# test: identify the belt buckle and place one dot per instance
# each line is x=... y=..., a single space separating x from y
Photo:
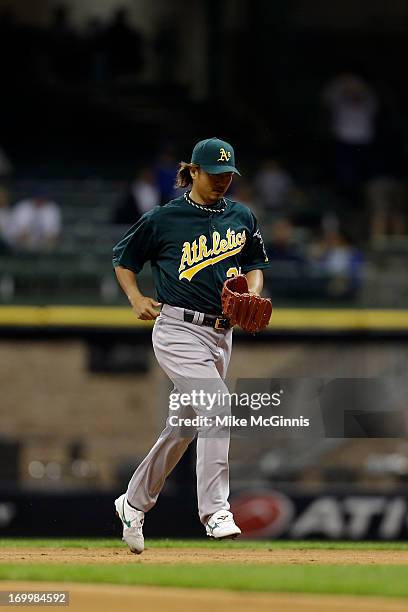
x=219 y=323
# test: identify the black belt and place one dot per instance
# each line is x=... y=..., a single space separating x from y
x=199 y=318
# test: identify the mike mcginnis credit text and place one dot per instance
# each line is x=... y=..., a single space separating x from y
x=233 y=421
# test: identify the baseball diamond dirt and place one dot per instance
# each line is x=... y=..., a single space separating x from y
x=97 y=598
x=196 y=555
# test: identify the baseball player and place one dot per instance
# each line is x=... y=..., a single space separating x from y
x=194 y=244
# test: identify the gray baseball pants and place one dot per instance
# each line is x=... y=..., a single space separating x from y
x=194 y=357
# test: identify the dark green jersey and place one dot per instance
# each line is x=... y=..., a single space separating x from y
x=193 y=249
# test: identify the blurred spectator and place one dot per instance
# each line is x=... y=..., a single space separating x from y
x=67 y=47
x=96 y=51
x=384 y=190
x=124 y=45
x=166 y=168
x=5 y=220
x=60 y=24
x=273 y=187
x=353 y=109
x=36 y=222
x=5 y=165
x=167 y=49
x=10 y=47
x=333 y=256
x=286 y=275
x=283 y=245
x=386 y=208
x=141 y=196
x=241 y=191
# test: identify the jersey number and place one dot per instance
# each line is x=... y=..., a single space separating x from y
x=233 y=272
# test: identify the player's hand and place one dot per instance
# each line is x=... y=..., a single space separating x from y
x=144 y=308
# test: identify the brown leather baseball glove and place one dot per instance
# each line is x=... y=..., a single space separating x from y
x=251 y=312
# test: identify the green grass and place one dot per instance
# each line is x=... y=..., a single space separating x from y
x=375 y=580
x=381 y=580
x=239 y=544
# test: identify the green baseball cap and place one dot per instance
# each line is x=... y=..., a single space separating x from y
x=214 y=156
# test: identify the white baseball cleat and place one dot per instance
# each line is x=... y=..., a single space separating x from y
x=221 y=525
x=132 y=521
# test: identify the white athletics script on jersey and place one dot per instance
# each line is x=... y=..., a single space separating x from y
x=196 y=255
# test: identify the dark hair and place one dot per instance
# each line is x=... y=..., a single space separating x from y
x=183 y=177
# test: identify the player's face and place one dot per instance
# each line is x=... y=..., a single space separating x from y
x=211 y=187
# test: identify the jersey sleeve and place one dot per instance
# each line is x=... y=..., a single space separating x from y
x=138 y=245
x=254 y=256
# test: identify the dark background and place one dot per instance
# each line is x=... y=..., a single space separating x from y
x=249 y=71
